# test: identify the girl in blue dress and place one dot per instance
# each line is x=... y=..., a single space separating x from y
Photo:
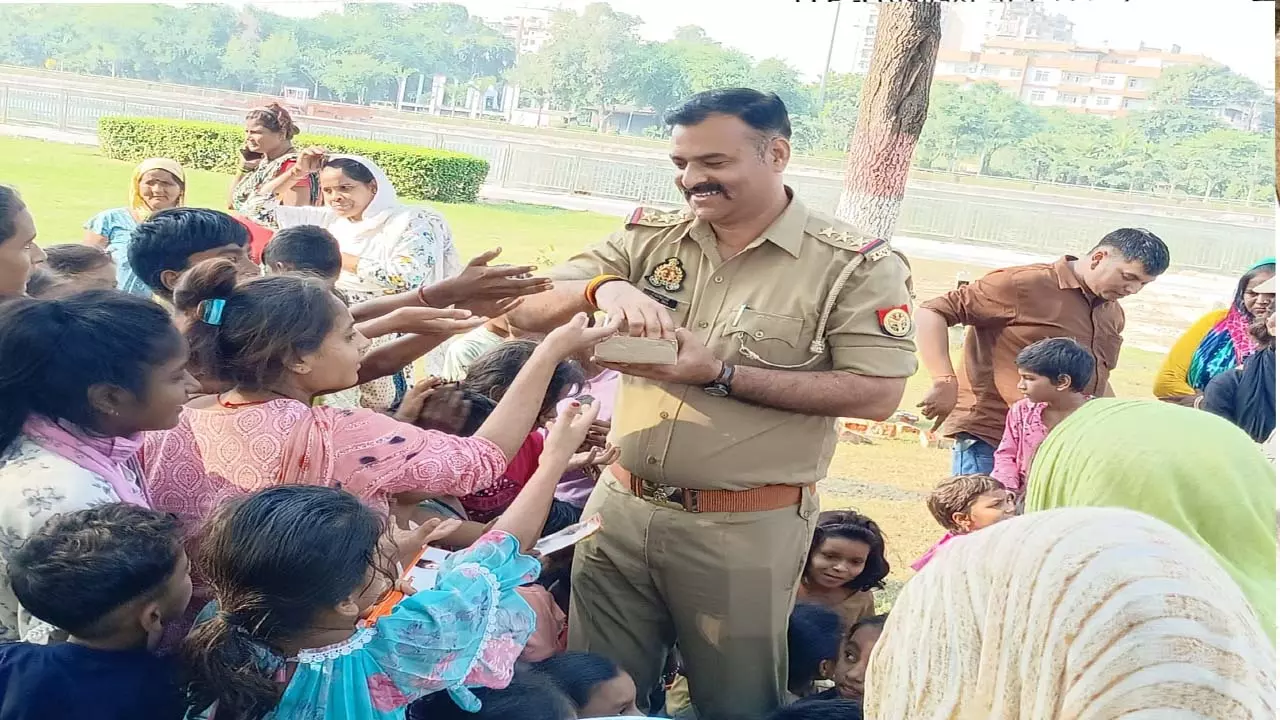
x=295 y=569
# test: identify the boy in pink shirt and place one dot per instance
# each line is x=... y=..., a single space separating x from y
x=1052 y=375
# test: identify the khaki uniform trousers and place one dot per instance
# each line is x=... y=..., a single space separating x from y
x=722 y=585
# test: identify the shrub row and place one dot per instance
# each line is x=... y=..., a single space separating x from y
x=418 y=173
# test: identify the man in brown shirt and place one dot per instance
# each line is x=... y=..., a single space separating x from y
x=1013 y=308
x=784 y=318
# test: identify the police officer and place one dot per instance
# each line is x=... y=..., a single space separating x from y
x=785 y=318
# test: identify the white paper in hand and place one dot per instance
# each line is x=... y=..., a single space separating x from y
x=423 y=574
x=568 y=537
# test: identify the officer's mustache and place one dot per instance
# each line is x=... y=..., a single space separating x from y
x=706 y=188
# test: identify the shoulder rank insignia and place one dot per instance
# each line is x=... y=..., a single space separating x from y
x=649 y=217
x=895 y=321
x=668 y=275
x=877 y=249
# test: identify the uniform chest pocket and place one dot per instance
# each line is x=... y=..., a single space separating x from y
x=769 y=338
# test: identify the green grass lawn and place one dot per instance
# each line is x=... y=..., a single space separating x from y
x=65 y=185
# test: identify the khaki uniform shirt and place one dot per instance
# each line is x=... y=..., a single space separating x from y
x=759 y=308
x=1008 y=310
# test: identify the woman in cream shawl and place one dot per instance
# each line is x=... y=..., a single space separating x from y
x=1191 y=469
x=157 y=184
x=1075 y=614
x=387 y=247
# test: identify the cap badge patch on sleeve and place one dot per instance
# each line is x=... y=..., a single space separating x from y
x=895 y=321
x=668 y=275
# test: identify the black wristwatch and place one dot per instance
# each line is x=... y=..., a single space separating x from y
x=723 y=384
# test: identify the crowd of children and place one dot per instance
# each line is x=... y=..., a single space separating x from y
x=198 y=519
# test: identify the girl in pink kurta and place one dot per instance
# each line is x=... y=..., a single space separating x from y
x=1052 y=375
x=218 y=452
x=280 y=341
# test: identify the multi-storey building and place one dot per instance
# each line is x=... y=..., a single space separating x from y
x=861 y=33
x=528 y=28
x=1106 y=81
x=1027 y=21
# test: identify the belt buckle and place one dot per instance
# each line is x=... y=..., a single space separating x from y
x=663 y=495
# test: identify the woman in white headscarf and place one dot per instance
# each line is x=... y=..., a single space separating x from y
x=387 y=247
x=1080 y=613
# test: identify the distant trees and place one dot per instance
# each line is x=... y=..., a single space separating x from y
x=364 y=54
x=596 y=61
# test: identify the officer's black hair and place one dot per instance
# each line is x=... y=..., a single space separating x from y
x=305 y=248
x=765 y=112
x=170 y=237
x=1056 y=358
x=1141 y=245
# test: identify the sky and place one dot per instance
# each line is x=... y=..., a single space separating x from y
x=1238 y=33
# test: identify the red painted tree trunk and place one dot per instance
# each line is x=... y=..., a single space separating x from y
x=895 y=102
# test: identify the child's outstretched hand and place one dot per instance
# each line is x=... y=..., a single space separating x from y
x=567 y=432
x=413 y=401
x=594 y=457
x=446 y=409
x=414 y=540
x=576 y=335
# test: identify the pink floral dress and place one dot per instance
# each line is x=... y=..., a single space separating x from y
x=213 y=455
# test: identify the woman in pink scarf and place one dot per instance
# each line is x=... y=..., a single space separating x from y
x=280 y=341
x=80 y=379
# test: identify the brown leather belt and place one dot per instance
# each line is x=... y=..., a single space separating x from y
x=761 y=499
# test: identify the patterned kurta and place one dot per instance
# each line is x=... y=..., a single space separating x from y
x=35 y=485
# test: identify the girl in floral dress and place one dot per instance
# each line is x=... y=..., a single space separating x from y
x=81 y=378
x=296 y=569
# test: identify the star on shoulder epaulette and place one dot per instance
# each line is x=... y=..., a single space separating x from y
x=873 y=250
x=652 y=217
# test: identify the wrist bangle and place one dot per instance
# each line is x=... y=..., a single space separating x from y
x=945 y=378
x=422 y=296
x=594 y=286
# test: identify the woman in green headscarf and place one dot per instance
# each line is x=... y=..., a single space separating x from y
x=1191 y=469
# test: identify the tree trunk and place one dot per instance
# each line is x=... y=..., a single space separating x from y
x=891 y=113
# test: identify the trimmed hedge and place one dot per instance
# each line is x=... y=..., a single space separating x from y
x=418 y=173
